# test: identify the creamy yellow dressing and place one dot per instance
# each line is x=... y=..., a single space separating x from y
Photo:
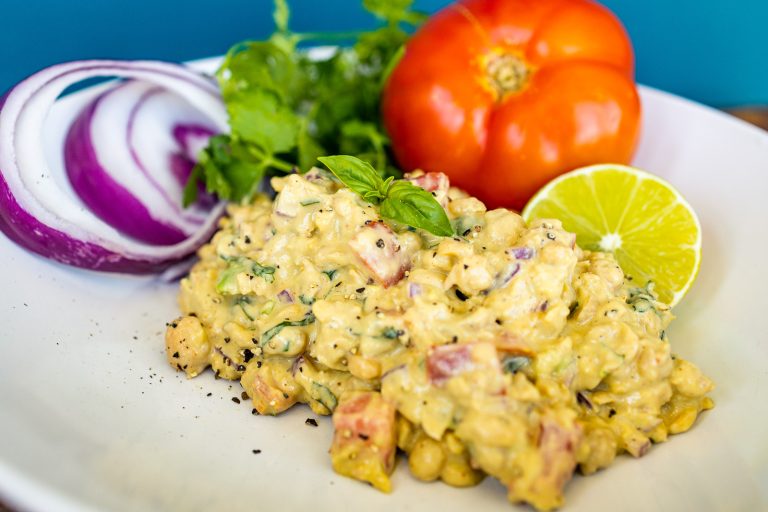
x=505 y=350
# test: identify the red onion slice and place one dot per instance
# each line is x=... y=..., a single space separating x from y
x=41 y=214
x=118 y=154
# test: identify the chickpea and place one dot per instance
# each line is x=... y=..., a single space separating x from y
x=186 y=345
x=426 y=460
x=458 y=473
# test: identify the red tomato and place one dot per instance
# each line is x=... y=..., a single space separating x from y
x=504 y=95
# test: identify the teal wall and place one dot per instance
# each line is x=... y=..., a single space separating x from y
x=713 y=52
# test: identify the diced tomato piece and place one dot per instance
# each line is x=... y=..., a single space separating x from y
x=557 y=451
x=446 y=361
x=377 y=246
x=364 y=443
x=435 y=182
x=268 y=399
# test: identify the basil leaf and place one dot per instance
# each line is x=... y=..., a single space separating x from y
x=358 y=175
x=412 y=205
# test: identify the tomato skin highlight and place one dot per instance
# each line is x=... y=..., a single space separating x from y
x=504 y=95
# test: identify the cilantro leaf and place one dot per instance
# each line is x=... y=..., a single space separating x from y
x=286 y=110
x=389 y=10
x=281 y=14
x=261 y=118
x=227 y=170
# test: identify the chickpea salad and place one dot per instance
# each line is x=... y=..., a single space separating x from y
x=503 y=350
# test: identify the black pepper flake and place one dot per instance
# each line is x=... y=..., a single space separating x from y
x=176 y=355
x=498 y=321
x=256 y=452
x=209 y=394
x=551 y=236
x=244 y=395
x=360 y=290
x=380 y=243
x=235 y=399
x=466 y=266
x=466 y=232
x=227 y=339
x=247 y=355
x=285 y=395
x=460 y=295
x=241 y=367
x=455 y=339
x=258 y=364
x=338 y=284
x=247 y=239
x=312 y=422
x=364 y=437
x=254 y=412
x=612 y=413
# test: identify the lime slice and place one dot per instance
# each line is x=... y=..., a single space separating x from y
x=640 y=218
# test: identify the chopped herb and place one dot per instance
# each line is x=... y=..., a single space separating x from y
x=324 y=395
x=643 y=299
x=391 y=333
x=307 y=301
x=274 y=331
x=513 y=364
x=309 y=202
x=331 y=273
x=227 y=283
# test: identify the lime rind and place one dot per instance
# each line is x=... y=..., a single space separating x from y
x=648 y=225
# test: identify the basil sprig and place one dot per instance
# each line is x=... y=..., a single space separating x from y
x=400 y=200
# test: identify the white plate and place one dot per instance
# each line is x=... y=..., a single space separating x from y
x=92 y=417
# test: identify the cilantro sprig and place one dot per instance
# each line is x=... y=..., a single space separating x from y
x=286 y=109
x=398 y=200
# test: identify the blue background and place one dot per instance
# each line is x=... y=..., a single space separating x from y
x=713 y=52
